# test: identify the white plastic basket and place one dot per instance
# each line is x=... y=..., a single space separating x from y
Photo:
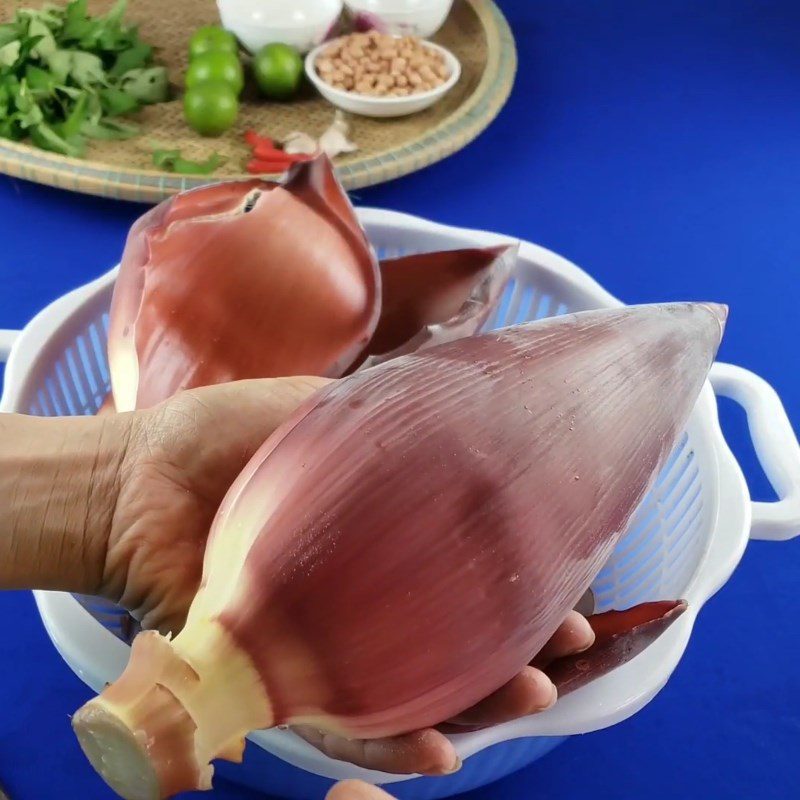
x=685 y=541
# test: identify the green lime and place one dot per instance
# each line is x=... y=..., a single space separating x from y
x=279 y=70
x=212 y=39
x=211 y=108
x=216 y=67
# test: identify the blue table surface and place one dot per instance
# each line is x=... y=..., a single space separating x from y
x=657 y=145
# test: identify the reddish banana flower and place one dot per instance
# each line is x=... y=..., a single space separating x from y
x=252 y=279
x=478 y=485
x=432 y=298
x=241 y=280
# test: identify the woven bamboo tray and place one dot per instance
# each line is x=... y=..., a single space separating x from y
x=476 y=32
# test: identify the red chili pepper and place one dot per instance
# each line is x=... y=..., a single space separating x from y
x=272 y=154
x=259 y=167
x=254 y=140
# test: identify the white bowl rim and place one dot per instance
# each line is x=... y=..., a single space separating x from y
x=237 y=18
x=343 y=94
x=360 y=5
x=256 y=26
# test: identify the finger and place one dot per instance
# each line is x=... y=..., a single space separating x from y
x=272 y=399
x=528 y=693
x=426 y=752
x=574 y=635
x=356 y=790
x=249 y=412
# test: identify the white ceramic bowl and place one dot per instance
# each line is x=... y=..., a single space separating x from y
x=368 y=106
x=300 y=23
x=404 y=17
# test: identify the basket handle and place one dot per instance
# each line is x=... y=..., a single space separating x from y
x=775 y=444
x=7 y=339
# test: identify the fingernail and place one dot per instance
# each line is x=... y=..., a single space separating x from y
x=455 y=767
x=584 y=629
x=541 y=704
x=457 y=764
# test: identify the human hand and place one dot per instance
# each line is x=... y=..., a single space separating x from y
x=356 y=790
x=429 y=751
x=181 y=458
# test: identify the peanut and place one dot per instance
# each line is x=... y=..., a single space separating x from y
x=378 y=65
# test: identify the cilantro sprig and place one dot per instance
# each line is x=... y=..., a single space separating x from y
x=67 y=77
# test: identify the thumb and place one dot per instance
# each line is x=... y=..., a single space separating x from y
x=241 y=415
x=356 y=790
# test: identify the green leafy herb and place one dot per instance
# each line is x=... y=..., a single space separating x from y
x=71 y=126
x=8 y=33
x=45 y=137
x=116 y=102
x=173 y=161
x=146 y=85
x=46 y=43
x=86 y=69
x=67 y=76
x=41 y=82
x=9 y=53
x=135 y=57
x=109 y=129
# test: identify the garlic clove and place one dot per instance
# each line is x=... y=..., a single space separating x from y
x=299 y=143
x=335 y=140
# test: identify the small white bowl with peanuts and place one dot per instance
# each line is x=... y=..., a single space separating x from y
x=379 y=75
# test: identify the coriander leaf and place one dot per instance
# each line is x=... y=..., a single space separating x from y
x=172 y=161
x=70 y=91
x=10 y=87
x=116 y=102
x=9 y=129
x=72 y=124
x=146 y=85
x=109 y=129
x=59 y=64
x=76 y=31
x=86 y=68
x=8 y=33
x=162 y=158
x=6 y=103
x=76 y=10
x=110 y=35
x=27 y=47
x=9 y=53
x=45 y=137
x=29 y=118
x=46 y=45
x=28 y=113
x=76 y=21
x=134 y=57
x=66 y=75
x=117 y=12
x=49 y=15
x=40 y=81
